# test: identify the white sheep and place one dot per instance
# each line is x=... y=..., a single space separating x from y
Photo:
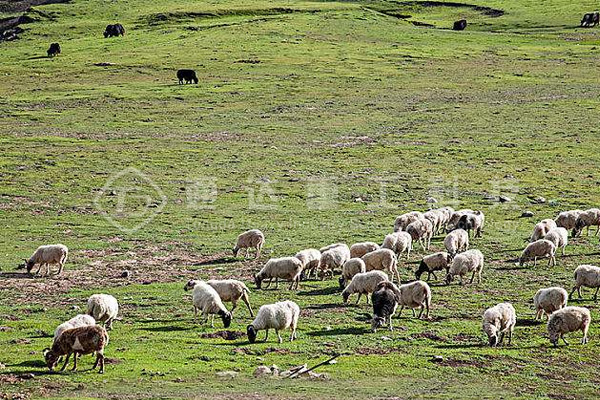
x=75 y=322
x=364 y=283
x=472 y=222
x=48 y=255
x=421 y=230
x=586 y=276
x=539 y=248
x=455 y=216
x=288 y=268
x=456 y=241
x=250 y=239
x=350 y=268
x=499 y=320
x=399 y=242
x=358 y=250
x=406 y=219
x=413 y=295
x=464 y=263
x=569 y=319
x=104 y=308
x=310 y=259
x=383 y=260
x=560 y=238
x=541 y=229
x=567 y=219
x=446 y=214
x=206 y=299
x=331 y=246
x=548 y=300
x=278 y=316
x=333 y=258
x=587 y=219
x=231 y=290
x=434 y=262
x=435 y=217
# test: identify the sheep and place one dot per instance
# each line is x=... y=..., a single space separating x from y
x=568 y=319
x=358 y=250
x=499 y=320
x=288 y=268
x=249 y=239
x=385 y=303
x=46 y=255
x=331 y=246
x=383 y=260
x=75 y=322
x=455 y=217
x=413 y=295
x=350 y=268
x=206 y=299
x=231 y=290
x=104 y=308
x=406 y=219
x=567 y=219
x=310 y=259
x=446 y=214
x=463 y=263
x=549 y=300
x=456 y=241
x=333 y=258
x=587 y=219
x=541 y=229
x=435 y=217
x=587 y=276
x=434 y=262
x=421 y=230
x=559 y=237
x=472 y=222
x=364 y=283
x=82 y=340
x=539 y=248
x=278 y=316
x=398 y=242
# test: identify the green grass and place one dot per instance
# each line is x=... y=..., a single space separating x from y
x=347 y=116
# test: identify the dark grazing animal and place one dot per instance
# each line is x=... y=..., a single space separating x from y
x=385 y=301
x=83 y=340
x=114 y=30
x=53 y=50
x=187 y=75
x=590 y=19
x=469 y=222
x=460 y=25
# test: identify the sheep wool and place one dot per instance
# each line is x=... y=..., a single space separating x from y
x=104 y=308
x=471 y=261
x=252 y=238
x=206 y=299
x=499 y=320
x=538 y=249
x=434 y=262
x=413 y=295
x=350 y=268
x=548 y=300
x=385 y=303
x=559 y=237
x=399 y=242
x=231 y=290
x=456 y=241
x=586 y=276
x=75 y=322
x=364 y=283
x=568 y=319
x=278 y=316
x=47 y=255
x=383 y=260
x=360 y=249
x=288 y=268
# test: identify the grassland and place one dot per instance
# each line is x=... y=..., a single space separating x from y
x=340 y=116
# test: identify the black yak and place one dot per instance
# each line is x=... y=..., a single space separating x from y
x=114 y=30
x=53 y=50
x=460 y=25
x=187 y=75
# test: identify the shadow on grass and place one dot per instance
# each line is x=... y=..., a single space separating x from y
x=341 y=331
x=167 y=329
x=320 y=292
x=214 y=261
x=460 y=346
x=39 y=58
x=328 y=306
x=16 y=275
x=529 y=322
x=30 y=364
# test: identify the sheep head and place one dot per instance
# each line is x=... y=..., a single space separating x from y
x=251 y=332
x=51 y=358
x=226 y=318
x=376 y=323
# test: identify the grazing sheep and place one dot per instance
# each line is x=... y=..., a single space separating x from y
x=385 y=302
x=75 y=322
x=364 y=283
x=231 y=290
x=421 y=230
x=537 y=249
x=310 y=259
x=413 y=295
x=435 y=217
x=187 y=76
x=383 y=260
x=463 y=263
x=331 y=246
x=350 y=268
x=278 y=316
x=250 y=239
x=549 y=300
x=568 y=319
x=333 y=258
x=46 y=255
x=82 y=340
x=586 y=276
x=541 y=229
x=446 y=213
x=587 y=219
x=567 y=219
x=559 y=237
x=288 y=268
x=472 y=222
x=358 y=250
x=590 y=20
x=404 y=220
x=207 y=300
x=53 y=50
x=104 y=308
x=455 y=217
x=434 y=262
x=456 y=241
x=499 y=320
x=398 y=242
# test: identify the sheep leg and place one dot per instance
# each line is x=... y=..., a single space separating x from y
x=279 y=336
x=563 y=250
x=596 y=294
x=400 y=312
x=74 y=362
x=472 y=277
x=266 y=334
x=247 y=252
x=257 y=253
x=109 y=324
x=245 y=299
x=100 y=356
x=276 y=283
x=66 y=362
x=501 y=338
x=268 y=283
x=195 y=313
x=61 y=265
x=585 y=332
x=534 y=261
x=428 y=276
x=413 y=312
x=421 y=312
x=357 y=300
x=212 y=321
x=39 y=269
x=408 y=253
x=234 y=303
x=432 y=273
x=391 y=326
x=367 y=296
x=510 y=332
x=563 y=339
x=579 y=291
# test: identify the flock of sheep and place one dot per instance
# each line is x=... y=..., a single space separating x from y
x=366 y=269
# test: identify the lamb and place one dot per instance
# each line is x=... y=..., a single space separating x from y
x=539 y=248
x=542 y=228
x=82 y=340
x=278 y=316
x=404 y=220
x=586 y=276
x=463 y=263
x=350 y=268
x=206 y=299
x=434 y=262
x=231 y=290
x=75 y=322
x=104 y=308
x=46 y=255
x=385 y=303
x=472 y=222
x=567 y=219
x=413 y=295
x=288 y=268
x=398 y=242
x=549 y=300
x=587 y=219
x=364 y=283
x=456 y=241
x=333 y=258
x=310 y=259
x=421 y=230
x=250 y=239
x=499 y=320
x=383 y=260
x=559 y=237
x=568 y=319
x=358 y=250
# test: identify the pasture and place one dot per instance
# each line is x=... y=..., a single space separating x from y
x=316 y=122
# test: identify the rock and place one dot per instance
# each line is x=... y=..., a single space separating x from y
x=75 y=308
x=386 y=338
x=262 y=371
x=553 y=203
x=538 y=200
x=316 y=376
x=431 y=200
x=228 y=374
x=125 y=274
x=2 y=366
x=437 y=359
x=504 y=199
x=274 y=370
x=527 y=214
x=27 y=376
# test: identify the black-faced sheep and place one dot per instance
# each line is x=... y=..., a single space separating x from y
x=434 y=262
x=187 y=76
x=385 y=302
x=53 y=50
x=114 y=30
x=278 y=316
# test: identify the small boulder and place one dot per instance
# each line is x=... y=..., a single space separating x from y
x=431 y=200
x=527 y=214
x=227 y=374
x=262 y=371
x=504 y=199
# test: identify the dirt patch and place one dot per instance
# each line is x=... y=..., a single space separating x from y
x=452 y=362
x=257 y=352
x=429 y=335
x=227 y=335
